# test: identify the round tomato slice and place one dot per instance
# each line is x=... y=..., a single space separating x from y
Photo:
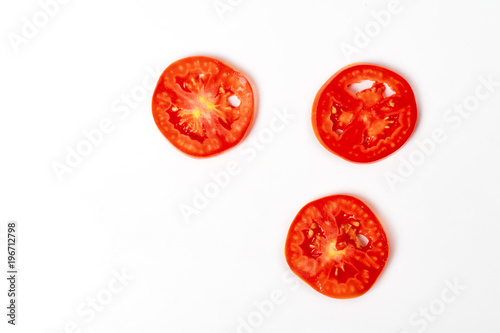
x=337 y=246
x=203 y=106
x=367 y=125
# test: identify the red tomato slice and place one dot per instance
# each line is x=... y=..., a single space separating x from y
x=368 y=125
x=337 y=246
x=203 y=106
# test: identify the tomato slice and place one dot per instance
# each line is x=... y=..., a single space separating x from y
x=203 y=106
x=367 y=125
x=337 y=246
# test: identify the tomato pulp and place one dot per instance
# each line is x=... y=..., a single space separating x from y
x=203 y=106
x=337 y=246
x=367 y=125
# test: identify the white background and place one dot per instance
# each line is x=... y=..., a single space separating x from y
x=119 y=209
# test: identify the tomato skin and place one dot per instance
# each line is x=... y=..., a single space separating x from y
x=323 y=247
x=192 y=106
x=364 y=127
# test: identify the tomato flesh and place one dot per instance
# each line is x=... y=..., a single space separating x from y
x=193 y=106
x=367 y=125
x=337 y=246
